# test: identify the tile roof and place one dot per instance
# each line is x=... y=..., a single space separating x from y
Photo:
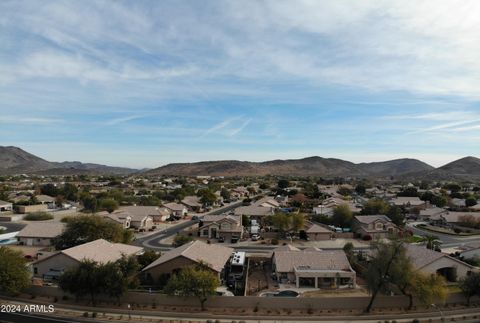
x=315 y=228
x=288 y=261
x=367 y=219
x=214 y=255
x=254 y=210
x=101 y=251
x=421 y=256
x=42 y=230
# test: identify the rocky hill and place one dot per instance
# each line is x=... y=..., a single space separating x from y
x=311 y=166
x=14 y=160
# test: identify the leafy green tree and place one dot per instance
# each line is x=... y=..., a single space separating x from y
x=342 y=216
x=49 y=189
x=108 y=205
x=440 y=201
x=69 y=191
x=147 y=258
x=383 y=268
x=86 y=228
x=14 y=274
x=360 y=189
x=90 y=203
x=344 y=191
x=91 y=278
x=409 y=191
x=283 y=184
x=246 y=220
x=375 y=206
x=193 y=282
x=207 y=197
x=412 y=283
x=181 y=239
x=281 y=221
x=396 y=214
x=225 y=193
x=470 y=286
x=471 y=201
x=83 y=280
x=297 y=221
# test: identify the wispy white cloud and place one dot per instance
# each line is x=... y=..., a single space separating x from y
x=235 y=131
x=30 y=120
x=115 y=121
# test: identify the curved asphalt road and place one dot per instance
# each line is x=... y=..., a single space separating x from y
x=447 y=239
x=154 y=241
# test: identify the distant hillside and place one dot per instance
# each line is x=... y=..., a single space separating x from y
x=14 y=160
x=311 y=166
x=397 y=167
x=467 y=168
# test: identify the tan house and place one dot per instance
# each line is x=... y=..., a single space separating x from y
x=192 y=253
x=221 y=226
x=100 y=251
x=313 y=268
x=176 y=209
x=375 y=226
x=137 y=217
x=316 y=232
x=434 y=262
x=192 y=203
x=40 y=233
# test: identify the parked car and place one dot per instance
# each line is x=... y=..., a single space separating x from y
x=255 y=237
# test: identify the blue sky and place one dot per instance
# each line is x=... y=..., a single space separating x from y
x=145 y=83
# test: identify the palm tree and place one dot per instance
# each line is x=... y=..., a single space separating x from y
x=431 y=241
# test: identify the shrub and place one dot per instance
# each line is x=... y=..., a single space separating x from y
x=85 y=314
x=38 y=216
x=367 y=237
x=274 y=242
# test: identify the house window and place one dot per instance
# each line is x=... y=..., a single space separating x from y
x=35 y=270
x=205 y=232
x=379 y=226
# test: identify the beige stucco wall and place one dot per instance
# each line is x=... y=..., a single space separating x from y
x=43 y=242
x=319 y=236
x=58 y=261
x=31 y=208
x=447 y=262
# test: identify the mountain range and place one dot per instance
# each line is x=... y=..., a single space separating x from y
x=467 y=168
x=14 y=160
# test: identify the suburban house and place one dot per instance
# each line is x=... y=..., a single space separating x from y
x=316 y=232
x=433 y=212
x=192 y=203
x=451 y=218
x=375 y=226
x=239 y=192
x=434 y=262
x=408 y=202
x=40 y=233
x=121 y=218
x=176 y=209
x=190 y=254
x=227 y=227
x=267 y=202
x=101 y=251
x=6 y=206
x=333 y=202
x=139 y=217
x=312 y=268
x=254 y=211
x=45 y=199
